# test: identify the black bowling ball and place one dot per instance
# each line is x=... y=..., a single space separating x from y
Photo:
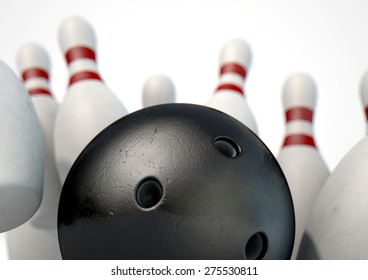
x=176 y=181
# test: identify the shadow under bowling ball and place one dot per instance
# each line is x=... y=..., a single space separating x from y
x=307 y=249
x=176 y=181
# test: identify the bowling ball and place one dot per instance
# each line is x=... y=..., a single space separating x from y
x=176 y=181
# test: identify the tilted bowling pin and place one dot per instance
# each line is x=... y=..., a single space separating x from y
x=21 y=150
x=229 y=97
x=88 y=106
x=37 y=238
x=338 y=227
x=158 y=89
x=301 y=162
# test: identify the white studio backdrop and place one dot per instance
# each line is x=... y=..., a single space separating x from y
x=182 y=39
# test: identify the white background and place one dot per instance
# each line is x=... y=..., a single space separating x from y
x=182 y=39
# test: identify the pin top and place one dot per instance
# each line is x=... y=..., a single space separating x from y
x=75 y=32
x=158 y=89
x=299 y=91
x=34 y=65
x=33 y=61
x=236 y=51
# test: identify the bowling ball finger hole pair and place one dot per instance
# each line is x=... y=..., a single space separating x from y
x=256 y=247
x=227 y=146
x=148 y=193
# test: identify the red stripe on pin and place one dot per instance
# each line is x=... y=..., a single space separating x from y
x=233 y=68
x=85 y=75
x=34 y=73
x=299 y=113
x=366 y=112
x=36 y=91
x=79 y=53
x=299 y=139
x=230 y=87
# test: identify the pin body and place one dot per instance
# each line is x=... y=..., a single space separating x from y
x=338 y=228
x=21 y=150
x=158 y=89
x=37 y=238
x=301 y=162
x=88 y=106
x=229 y=97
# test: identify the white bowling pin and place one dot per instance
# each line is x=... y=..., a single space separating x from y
x=37 y=238
x=158 y=89
x=338 y=227
x=21 y=150
x=301 y=162
x=229 y=97
x=89 y=106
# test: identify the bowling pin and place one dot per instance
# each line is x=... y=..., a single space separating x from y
x=364 y=96
x=21 y=150
x=88 y=106
x=338 y=227
x=229 y=97
x=37 y=238
x=301 y=162
x=158 y=89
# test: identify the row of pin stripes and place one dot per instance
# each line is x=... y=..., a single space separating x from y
x=82 y=52
x=73 y=54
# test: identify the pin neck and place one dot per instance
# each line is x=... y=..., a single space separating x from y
x=231 y=87
x=79 y=52
x=37 y=91
x=36 y=81
x=299 y=113
x=232 y=76
x=82 y=64
x=234 y=68
x=34 y=73
x=299 y=139
x=84 y=75
x=299 y=127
